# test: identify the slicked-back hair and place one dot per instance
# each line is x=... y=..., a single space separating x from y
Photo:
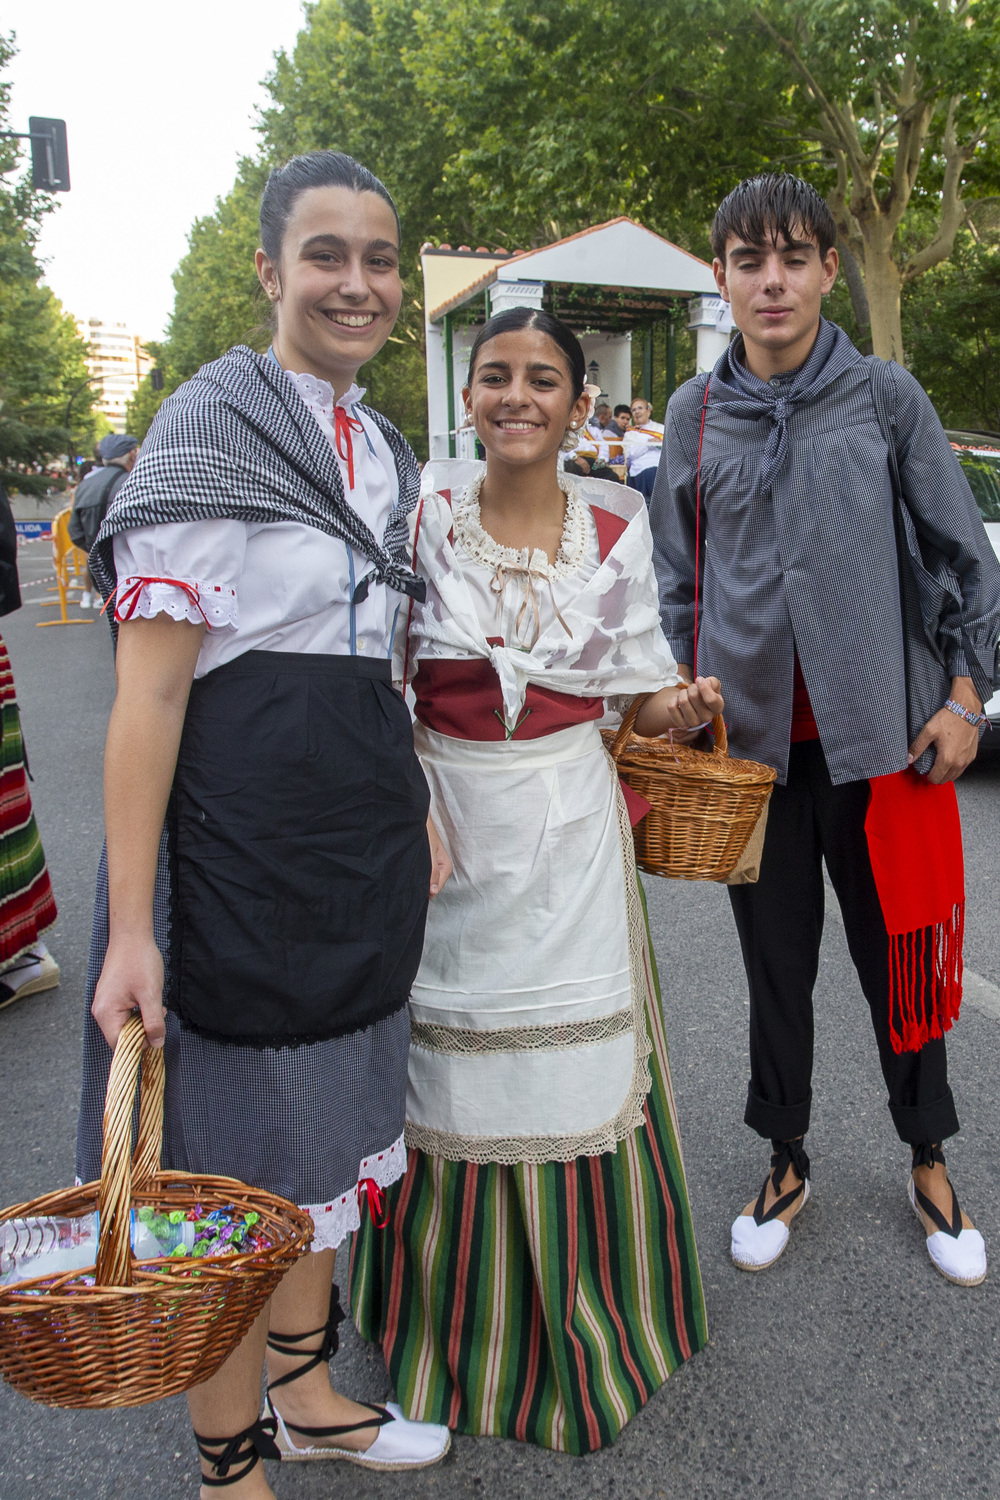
x=761 y=209
x=313 y=169
x=516 y=318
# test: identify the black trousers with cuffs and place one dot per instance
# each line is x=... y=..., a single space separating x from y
x=780 y=924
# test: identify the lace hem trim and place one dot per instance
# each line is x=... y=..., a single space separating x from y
x=335 y=1221
x=510 y=1150
x=214 y=604
x=470 y=1041
x=482 y=548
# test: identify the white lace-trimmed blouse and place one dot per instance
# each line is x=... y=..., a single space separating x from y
x=272 y=586
x=507 y=585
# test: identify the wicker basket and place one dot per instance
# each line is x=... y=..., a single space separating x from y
x=704 y=805
x=150 y=1329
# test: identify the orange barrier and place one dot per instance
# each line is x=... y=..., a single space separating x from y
x=65 y=555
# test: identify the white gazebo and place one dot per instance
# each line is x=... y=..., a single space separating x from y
x=606 y=282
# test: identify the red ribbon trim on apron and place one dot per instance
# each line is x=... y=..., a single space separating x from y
x=915 y=844
x=378 y=1208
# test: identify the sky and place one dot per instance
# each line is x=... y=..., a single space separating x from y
x=159 y=99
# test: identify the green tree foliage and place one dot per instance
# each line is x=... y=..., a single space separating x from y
x=562 y=113
x=504 y=123
x=352 y=84
x=217 y=301
x=951 y=322
x=893 y=107
x=45 y=401
x=513 y=122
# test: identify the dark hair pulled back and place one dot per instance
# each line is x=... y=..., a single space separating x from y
x=559 y=332
x=313 y=169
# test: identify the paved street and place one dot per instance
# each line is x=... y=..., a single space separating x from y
x=851 y=1369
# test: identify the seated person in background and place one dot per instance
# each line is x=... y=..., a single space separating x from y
x=623 y=418
x=592 y=456
x=642 y=444
x=608 y=437
x=601 y=422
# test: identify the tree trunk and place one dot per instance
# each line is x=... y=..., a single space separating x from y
x=882 y=283
x=859 y=297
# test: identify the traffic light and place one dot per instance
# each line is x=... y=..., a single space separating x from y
x=49 y=155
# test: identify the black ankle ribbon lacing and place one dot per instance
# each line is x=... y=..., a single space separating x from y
x=926 y=1155
x=786 y=1154
x=247 y=1448
x=284 y=1343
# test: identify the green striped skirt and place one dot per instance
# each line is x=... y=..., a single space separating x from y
x=27 y=907
x=539 y=1302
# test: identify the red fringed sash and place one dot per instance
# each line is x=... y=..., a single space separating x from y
x=915 y=844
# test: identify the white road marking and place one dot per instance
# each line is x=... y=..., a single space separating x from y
x=982 y=994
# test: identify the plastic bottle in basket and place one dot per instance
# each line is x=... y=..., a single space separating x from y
x=51 y=1246
x=43 y=1247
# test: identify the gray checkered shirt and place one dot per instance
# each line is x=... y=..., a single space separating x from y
x=809 y=563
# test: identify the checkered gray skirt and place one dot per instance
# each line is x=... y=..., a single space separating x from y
x=297 y=1121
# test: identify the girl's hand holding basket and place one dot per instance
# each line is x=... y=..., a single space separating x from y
x=687 y=706
x=704 y=809
x=131 y=980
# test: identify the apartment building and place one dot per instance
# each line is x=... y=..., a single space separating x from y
x=117 y=361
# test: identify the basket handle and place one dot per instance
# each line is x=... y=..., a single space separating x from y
x=627 y=728
x=114 y=1260
x=628 y=720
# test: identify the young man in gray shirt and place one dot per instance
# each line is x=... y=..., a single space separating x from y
x=804 y=618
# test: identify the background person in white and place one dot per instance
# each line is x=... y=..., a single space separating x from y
x=642 y=443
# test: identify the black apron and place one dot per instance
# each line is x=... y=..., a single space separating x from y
x=300 y=857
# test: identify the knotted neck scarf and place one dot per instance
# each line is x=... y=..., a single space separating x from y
x=740 y=393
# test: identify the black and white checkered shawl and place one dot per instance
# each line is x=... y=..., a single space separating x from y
x=237 y=442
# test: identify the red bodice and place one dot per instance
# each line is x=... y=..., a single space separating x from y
x=461 y=696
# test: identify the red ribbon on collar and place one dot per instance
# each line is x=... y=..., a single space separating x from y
x=344 y=424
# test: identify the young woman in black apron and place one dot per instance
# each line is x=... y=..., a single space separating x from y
x=268 y=862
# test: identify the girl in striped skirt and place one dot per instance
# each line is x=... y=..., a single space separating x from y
x=27 y=906
x=538 y=1278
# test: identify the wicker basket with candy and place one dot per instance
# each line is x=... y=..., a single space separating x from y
x=133 y=1327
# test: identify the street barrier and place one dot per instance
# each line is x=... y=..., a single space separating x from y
x=65 y=556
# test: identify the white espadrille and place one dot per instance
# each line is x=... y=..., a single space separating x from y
x=400 y=1444
x=29 y=974
x=755 y=1246
x=959 y=1254
x=759 y=1238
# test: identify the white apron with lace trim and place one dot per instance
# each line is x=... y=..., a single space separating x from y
x=528 y=1041
x=527 y=1038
